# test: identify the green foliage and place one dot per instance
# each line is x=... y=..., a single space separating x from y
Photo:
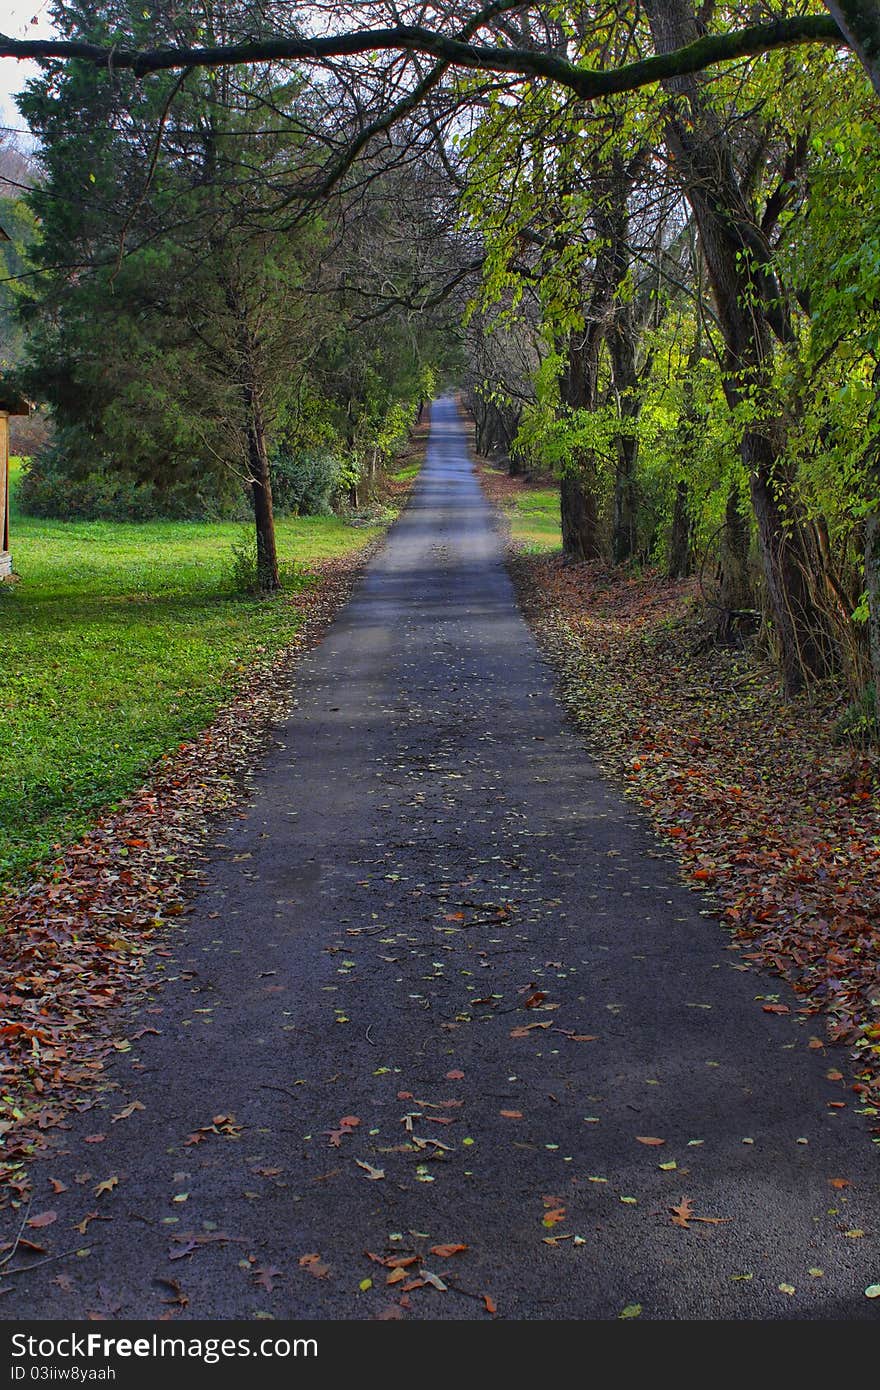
x=306 y=483
x=19 y=223
x=69 y=479
x=858 y=724
x=245 y=573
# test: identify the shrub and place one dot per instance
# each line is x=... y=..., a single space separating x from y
x=243 y=569
x=305 y=483
x=68 y=481
x=858 y=723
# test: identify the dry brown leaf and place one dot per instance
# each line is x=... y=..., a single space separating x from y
x=45 y=1218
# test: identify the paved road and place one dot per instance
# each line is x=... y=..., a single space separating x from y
x=431 y=866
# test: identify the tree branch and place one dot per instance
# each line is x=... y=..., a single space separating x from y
x=586 y=83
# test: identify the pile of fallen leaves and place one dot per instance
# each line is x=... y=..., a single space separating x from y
x=76 y=945
x=780 y=825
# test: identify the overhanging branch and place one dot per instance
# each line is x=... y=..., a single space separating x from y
x=586 y=83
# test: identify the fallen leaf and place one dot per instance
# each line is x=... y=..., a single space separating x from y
x=128 y=1110
x=107 y=1185
x=632 y=1310
x=445 y=1252
x=373 y=1174
x=455 y=1076
x=511 y=1114
x=267 y=1276
x=552 y=1218
x=525 y=1029
x=179 y=1299
x=45 y=1218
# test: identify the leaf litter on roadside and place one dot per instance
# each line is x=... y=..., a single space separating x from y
x=749 y=792
x=88 y=935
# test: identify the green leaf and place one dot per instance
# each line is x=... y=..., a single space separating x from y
x=632 y=1310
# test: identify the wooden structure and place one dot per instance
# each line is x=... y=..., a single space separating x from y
x=11 y=403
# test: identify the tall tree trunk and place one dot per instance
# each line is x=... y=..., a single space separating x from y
x=859 y=20
x=578 y=495
x=622 y=350
x=750 y=309
x=872 y=584
x=254 y=429
x=681 y=537
x=261 y=495
x=680 y=565
x=580 y=517
x=734 y=580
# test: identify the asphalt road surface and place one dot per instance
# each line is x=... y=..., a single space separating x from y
x=438 y=920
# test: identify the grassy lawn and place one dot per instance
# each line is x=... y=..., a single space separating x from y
x=534 y=519
x=532 y=510
x=119 y=641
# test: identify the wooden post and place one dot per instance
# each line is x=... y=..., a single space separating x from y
x=5 y=557
x=11 y=403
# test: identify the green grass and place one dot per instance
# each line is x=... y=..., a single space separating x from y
x=406 y=473
x=119 y=641
x=534 y=519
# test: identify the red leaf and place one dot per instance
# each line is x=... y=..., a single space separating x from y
x=526 y=1028
x=44 y=1219
x=267 y=1276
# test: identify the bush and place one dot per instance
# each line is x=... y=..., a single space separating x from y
x=305 y=483
x=67 y=481
x=858 y=723
x=243 y=569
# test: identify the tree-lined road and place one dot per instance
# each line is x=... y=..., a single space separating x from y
x=440 y=987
